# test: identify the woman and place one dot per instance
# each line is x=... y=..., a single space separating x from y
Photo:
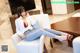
x=31 y=29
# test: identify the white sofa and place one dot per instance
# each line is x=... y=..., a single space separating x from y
x=76 y=45
x=35 y=46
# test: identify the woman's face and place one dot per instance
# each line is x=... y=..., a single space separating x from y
x=23 y=13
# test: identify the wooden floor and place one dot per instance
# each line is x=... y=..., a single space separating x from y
x=11 y=47
x=61 y=48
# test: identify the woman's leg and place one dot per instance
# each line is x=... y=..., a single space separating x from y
x=55 y=32
x=37 y=33
x=32 y=35
x=50 y=33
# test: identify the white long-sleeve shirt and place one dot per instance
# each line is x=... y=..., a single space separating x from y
x=20 y=24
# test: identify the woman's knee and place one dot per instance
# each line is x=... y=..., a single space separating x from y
x=40 y=30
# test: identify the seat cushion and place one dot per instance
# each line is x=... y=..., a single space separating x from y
x=35 y=42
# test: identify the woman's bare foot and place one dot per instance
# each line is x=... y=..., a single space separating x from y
x=69 y=37
x=62 y=38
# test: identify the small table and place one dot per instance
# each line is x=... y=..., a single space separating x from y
x=71 y=25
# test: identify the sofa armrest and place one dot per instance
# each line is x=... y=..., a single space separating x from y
x=41 y=43
x=15 y=38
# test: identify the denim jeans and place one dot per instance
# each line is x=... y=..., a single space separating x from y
x=35 y=34
x=38 y=31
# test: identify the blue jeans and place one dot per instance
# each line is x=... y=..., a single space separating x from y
x=35 y=34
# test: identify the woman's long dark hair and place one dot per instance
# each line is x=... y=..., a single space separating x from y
x=20 y=9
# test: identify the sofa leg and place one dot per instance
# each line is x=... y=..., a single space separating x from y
x=51 y=42
x=45 y=49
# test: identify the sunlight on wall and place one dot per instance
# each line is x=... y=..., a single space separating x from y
x=5 y=27
x=59 y=8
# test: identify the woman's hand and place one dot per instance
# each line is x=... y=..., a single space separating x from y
x=29 y=28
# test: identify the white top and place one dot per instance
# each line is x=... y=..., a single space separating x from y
x=20 y=24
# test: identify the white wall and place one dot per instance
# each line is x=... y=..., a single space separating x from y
x=38 y=5
x=59 y=8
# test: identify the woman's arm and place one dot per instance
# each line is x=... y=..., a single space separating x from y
x=34 y=23
x=20 y=27
x=17 y=26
